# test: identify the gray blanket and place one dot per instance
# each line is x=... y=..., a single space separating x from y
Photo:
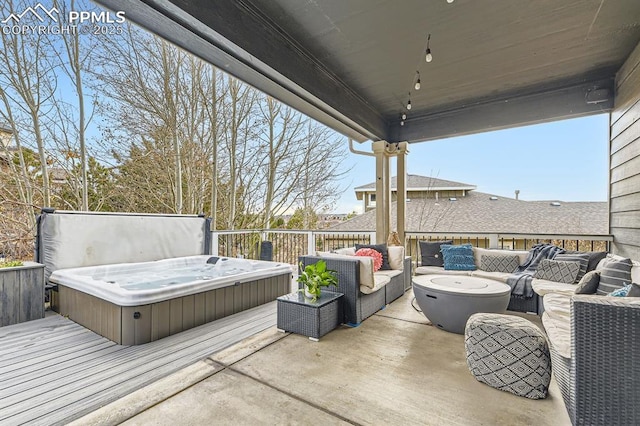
x=521 y=280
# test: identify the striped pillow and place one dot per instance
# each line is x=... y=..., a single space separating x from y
x=614 y=275
x=583 y=258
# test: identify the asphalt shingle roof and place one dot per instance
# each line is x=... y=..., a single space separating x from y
x=476 y=212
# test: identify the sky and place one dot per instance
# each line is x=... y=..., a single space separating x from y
x=564 y=160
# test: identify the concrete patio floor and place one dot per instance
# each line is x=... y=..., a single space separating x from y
x=395 y=368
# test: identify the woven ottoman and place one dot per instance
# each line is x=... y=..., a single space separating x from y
x=508 y=353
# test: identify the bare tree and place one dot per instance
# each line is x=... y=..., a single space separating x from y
x=28 y=81
x=239 y=109
x=284 y=133
x=321 y=170
x=74 y=63
x=142 y=75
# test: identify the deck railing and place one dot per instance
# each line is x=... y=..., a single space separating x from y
x=287 y=245
x=512 y=241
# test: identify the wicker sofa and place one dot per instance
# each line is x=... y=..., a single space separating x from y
x=360 y=302
x=594 y=341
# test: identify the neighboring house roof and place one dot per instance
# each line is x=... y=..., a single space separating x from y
x=422 y=183
x=476 y=212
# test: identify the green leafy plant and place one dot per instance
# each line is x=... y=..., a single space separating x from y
x=10 y=264
x=314 y=277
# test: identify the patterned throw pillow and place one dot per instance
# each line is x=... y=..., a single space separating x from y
x=499 y=263
x=382 y=249
x=615 y=274
x=430 y=252
x=583 y=258
x=557 y=270
x=458 y=258
x=621 y=292
x=377 y=257
x=589 y=283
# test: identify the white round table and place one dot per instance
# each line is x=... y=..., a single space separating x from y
x=449 y=300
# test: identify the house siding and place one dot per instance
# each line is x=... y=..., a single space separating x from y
x=624 y=148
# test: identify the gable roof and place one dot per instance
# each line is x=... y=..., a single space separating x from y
x=417 y=182
x=477 y=212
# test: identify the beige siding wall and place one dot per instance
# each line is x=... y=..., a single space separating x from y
x=624 y=217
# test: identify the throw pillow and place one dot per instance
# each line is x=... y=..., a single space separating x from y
x=350 y=251
x=396 y=257
x=458 y=258
x=594 y=258
x=557 y=270
x=430 y=252
x=635 y=290
x=589 y=283
x=377 y=257
x=615 y=274
x=621 y=292
x=583 y=258
x=499 y=263
x=382 y=249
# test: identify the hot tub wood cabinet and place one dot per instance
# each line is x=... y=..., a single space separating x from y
x=119 y=303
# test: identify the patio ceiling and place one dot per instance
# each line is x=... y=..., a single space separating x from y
x=351 y=63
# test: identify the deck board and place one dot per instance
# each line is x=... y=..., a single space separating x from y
x=68 y=371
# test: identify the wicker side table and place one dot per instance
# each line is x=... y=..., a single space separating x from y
x=300 y=315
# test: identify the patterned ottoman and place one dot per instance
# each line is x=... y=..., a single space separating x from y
x=508 y=353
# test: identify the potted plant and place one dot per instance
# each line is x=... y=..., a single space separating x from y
x=314 y=277
x=10 y=264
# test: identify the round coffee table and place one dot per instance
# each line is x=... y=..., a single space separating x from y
x=449 y=300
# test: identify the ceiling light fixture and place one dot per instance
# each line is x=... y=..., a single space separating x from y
x=428 y=57
x=417 y=85
x=449 y=1
x=404 y=116
x=409 y=102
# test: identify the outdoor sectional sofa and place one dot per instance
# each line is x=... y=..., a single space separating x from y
x=594 y=342
x=515 y=304
x=365 y=292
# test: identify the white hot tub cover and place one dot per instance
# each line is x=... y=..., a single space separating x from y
x=75 y=239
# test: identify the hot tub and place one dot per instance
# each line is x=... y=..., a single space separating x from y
x=135 y=303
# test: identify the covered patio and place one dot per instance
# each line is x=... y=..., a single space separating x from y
x=354 y=67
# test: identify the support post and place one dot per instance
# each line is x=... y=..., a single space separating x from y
x=494 y=241
x=383 y=191
x=311 y=243
x=401 y=188
x=214 y=243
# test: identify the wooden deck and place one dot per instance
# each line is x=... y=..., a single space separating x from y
x=53 y=371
